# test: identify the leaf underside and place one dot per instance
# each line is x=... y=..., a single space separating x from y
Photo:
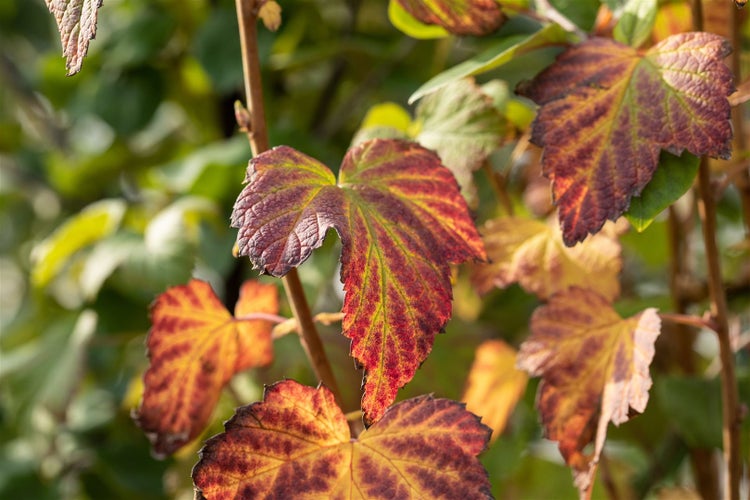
x=401 y=220
x=607 y=111
x=76 y=22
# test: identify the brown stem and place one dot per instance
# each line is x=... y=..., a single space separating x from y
x=247 y=17
x=497 y=182
x=738 y=123
x=688 y=320
x=719 y=316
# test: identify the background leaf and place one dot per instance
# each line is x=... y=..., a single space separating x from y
x=636 y=21
x=460 y=17
x=76 y=21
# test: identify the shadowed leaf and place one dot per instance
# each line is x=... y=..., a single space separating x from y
x=608 y=110
x=76 y=22
x=494 y=385
x=532 y=253
x=195 y=347
x=460 y=17
x=296 y=444
x=594 y=367
x=402 y=222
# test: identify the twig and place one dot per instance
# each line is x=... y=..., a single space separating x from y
x=688 y=320
x=247 y=17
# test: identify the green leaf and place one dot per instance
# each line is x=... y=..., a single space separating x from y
x=401 y=221
x=498 y=54
x=461 y=124
x=636 y=22
x=411 y=26
x=93 y=223
x=694 y=404
x=673 y=177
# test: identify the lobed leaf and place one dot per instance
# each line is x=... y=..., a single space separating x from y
x=460 y=17
x=494 y=385
x=76 y=22
x=195 y=347
x=608 y=110
x=402 y=222
x=532 y=253
x=296 y=444
x=594 y=367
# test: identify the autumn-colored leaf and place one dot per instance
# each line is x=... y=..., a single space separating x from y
x=462 y=125
x=494 y=385
x=402 y=222
x=76 y=21
x=608 y=110
x=296 y=444
x=460 y=17
x=532 y=253
x=195 y=347
x=594 y=367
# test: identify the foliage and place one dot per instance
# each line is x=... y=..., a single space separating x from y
x=118 y=187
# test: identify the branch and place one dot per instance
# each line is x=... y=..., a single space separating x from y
x=257 y=133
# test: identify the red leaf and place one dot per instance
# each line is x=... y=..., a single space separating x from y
x=608 y=110
x=195 y=347
x=460 y=17
x=296 y=444
x=402 y=221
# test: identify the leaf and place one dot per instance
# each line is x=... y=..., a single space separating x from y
x=594 y=368
x=460 y=17
x=533 y=254
x=195 y=347
x=636 y=22
x=494 y=385
x=501 y=52
x=672 y=179
x=93 y=223
x=76 y=22
x=296 y=444
x=461 y=124
x=401 y=221
x=411 y=26
x=607 y=111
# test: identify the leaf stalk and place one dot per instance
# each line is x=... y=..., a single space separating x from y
x=257 y=133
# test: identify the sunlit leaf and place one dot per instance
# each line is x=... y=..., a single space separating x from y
x=76 y=21
x=607 y=111
x=501 y=52
x=195 y=347
x=672 y=18
x=91 y=224
x=494 y=385
x=594 y=367
x=461 y=124
x=296 y=444
x=672 y=179
x=532 y=253
x=460 y=17
x=636 y=21
x=411 y=26
x=402 y=222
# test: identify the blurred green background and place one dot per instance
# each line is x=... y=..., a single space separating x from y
x=118 y=182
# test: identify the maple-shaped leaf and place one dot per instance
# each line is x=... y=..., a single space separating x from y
x=532 y=253
x=401 y=220
x=460 y=122
x=607 y=111
x=460 y=17
x=195 y=347
x=594 y=367
x=494 y=385
x=296 y=444
x=76 y=22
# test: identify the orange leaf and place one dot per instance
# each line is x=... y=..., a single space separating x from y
x=195 y=347
x=402 y=222
x=608 y=110
x=594 y=367
x=460 y=17
x=494 y=385
x=296 y=444
x=533 y=254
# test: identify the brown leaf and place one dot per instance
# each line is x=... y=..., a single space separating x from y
x=594 y=367
x=76 y=22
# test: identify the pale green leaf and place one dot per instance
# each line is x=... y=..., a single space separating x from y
x=636 y=22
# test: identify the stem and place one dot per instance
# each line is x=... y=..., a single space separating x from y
x=688 y=320
x=260 y=316
x=497 y=182
x=719 y=316
x=247 y=17
x=738 y=123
